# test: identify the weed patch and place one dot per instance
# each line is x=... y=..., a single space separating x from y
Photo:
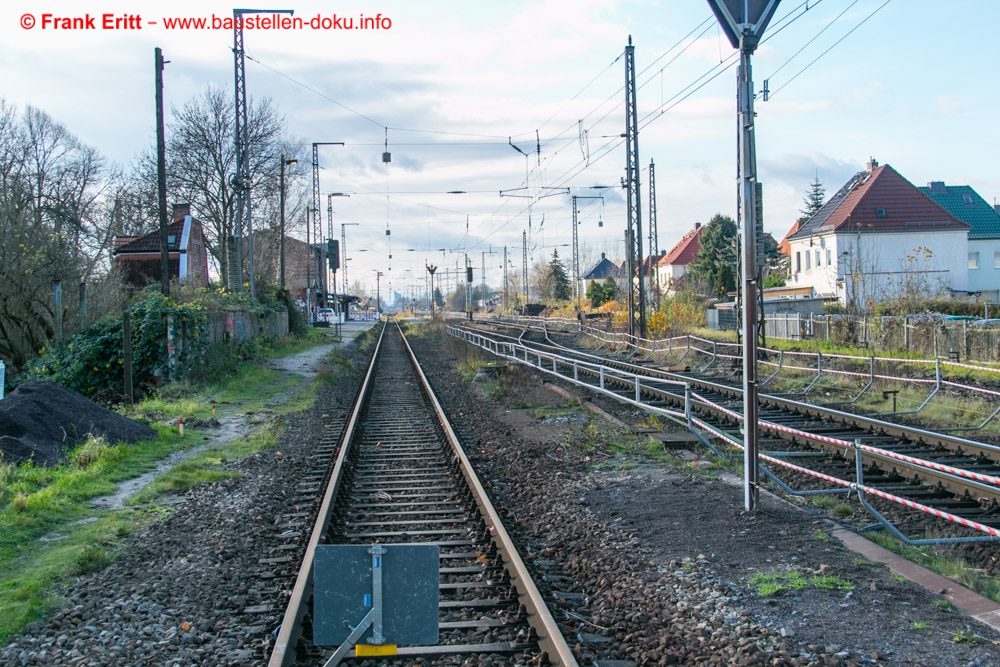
x=768 y=585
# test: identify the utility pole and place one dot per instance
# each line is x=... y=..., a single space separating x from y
x=637 y=292
x=577 y=296
x=161 y=173
x=309 y=261
x=524 y=266
x=468 y=286
x=744 y=24
x=241 y=182
x=431 y=269
x=654 y=241
x=318 y=219
x=281 y=220
x=505 y=284
x=343 y=249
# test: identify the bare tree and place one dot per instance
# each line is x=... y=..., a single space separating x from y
x=201 y=162
x=51 y=230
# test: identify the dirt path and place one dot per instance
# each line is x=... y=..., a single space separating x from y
x=305 y=365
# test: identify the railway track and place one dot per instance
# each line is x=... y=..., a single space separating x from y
x=940 y=473
x=401 y=477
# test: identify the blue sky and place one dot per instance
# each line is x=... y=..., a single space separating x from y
x=911 y=86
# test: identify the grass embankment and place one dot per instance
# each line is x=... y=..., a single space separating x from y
x=48 y=528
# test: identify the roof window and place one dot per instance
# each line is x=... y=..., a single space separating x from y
x=880 y=212
x=967 y=198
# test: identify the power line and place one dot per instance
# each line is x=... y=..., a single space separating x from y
x=863 y=21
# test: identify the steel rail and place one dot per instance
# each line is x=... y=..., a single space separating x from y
x=283 y=653
x=538 y=617
x=550 y=638
x=956 y=480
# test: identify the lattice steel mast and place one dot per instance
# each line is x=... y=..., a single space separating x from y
x=654 y=241
x=633 y=236
x=241 y=181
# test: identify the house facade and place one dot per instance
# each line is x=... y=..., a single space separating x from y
x=139 y=257
x=984 y=234
x=877 y=238
x=673 y=266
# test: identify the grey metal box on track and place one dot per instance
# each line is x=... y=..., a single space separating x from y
x=342 y=592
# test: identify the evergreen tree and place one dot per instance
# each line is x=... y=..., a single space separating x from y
x=601 y=293
x=814 y=199
x=716 y=266
x=557 y=285
x=438 y=297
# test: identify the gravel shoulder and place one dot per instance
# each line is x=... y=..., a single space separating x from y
x=664 y=519
x=644 y=563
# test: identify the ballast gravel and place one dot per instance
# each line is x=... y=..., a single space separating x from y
x=643 y=565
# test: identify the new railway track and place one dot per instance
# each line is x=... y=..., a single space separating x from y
x=399 y=476
x=953 y=478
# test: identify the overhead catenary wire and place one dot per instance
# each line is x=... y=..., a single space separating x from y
x=830 y=48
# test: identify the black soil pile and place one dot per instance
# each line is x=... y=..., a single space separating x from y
x=41 y=421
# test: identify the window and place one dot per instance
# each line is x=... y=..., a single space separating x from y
x=880 y=212
x=967 y=199
x=829 y=257
x=996 y=259
x=798 y=262
x=808 y=259
x=819 y=263
x=973 y=260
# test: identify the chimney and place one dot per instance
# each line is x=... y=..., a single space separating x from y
x=872 y=164
x=181 y=211
x=602 y=256
x=697 y=225
x=663 y=253
x=937 y=186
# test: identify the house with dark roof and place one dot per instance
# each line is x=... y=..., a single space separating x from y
x=877 y=238
x=138 y=257
x=673 y=266
x=984 y=233
x=600 y=273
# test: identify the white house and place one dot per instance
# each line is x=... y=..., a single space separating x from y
x=877 y=238
x=673 y=266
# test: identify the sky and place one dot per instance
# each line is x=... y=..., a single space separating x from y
x=495 y=114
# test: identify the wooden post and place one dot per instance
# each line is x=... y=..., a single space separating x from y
x=127 y=348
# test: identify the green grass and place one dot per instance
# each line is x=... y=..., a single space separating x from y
x=48 y=528
x=938 y=559
x=768 y=585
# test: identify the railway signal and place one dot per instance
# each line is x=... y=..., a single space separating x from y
x=744 y=22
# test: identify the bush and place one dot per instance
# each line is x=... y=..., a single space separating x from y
x=92 y=361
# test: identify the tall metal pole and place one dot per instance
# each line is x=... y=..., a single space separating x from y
x=748 y=194
x=318 y=219
x=637 y=291
x=161 y=174
x=744 y=24
x=431 y=269
x=524 y=266
x=654 y=241
x=505 y=283
x=241 y=182
x=309 y=261
x=281 y=220
x=575 y=264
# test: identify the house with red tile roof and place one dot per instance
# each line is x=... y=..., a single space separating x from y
x=673 y=266
x=877 y=238
x=187 y=257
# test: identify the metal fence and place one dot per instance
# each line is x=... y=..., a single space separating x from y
x=955 y=339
